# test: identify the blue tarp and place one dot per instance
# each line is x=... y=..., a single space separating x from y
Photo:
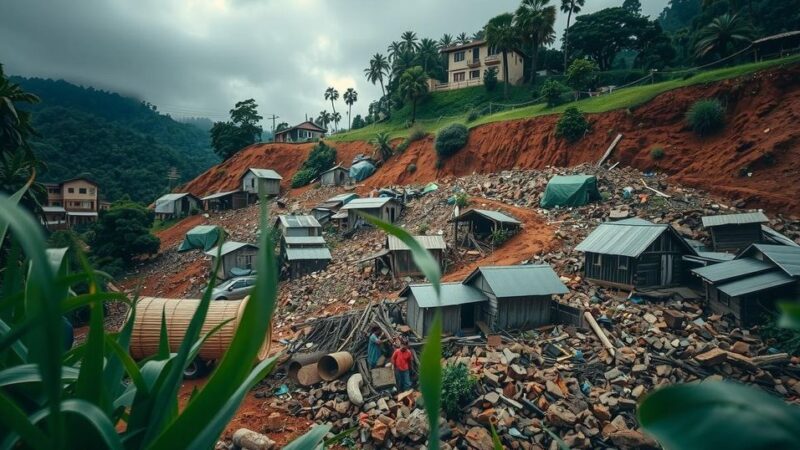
x=361 y=170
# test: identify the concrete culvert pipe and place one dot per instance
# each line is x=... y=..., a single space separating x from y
x=334 y=365
x=178 y=313
x=302 y=359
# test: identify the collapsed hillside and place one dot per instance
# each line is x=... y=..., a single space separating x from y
x=753 y=161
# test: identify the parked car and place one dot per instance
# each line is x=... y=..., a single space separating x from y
x=234 y=289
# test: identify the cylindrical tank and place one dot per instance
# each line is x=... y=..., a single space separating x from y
x=178 y=313
x=334 y=365
x=302 y=359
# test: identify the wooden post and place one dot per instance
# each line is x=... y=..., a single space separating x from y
x=599 y=332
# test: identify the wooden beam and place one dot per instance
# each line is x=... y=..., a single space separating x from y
x=659 y=193
x=599 y=332
x=610 y=149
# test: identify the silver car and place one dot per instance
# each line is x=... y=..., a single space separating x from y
x=234 y=289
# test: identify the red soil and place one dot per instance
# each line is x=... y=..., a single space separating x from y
x=761 y=134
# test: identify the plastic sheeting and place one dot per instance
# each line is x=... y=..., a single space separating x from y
x=201 y=236
x=361 y=170
x=572 y=190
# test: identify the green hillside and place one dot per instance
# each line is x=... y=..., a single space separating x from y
x=444 y=108
x=123 y=144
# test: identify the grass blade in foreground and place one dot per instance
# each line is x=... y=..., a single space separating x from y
x=311 y=440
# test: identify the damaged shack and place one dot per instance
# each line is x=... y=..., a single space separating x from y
x=222 y=201
x=635 y=253
x=733 y=232
x=479 y=225
x=261 y=181
x=384 y=208
x=749 y=286
x=335 y=176
x=460 y=305
x=298 y=225
x=398 y=255
x=238 y=259
x=173 y=206
x=303 y=255
x=325 y=210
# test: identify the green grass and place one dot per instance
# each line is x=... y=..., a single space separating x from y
x=160 y=225
x=448 y=103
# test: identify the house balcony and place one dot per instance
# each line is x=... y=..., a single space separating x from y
x=473 y=63
x=492 y=60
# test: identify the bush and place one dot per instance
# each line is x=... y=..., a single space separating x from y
x=416 y=134
x=553 y=92
x=302 y=177
x=572 y=125
x=457 y=389
x=706 y=117
x=321 y=158
x=461 y=199
x=451 y=139
x=411 y=168
x=490 y=79
x=423 y=228
x=657 y=153
x=499 y=235
x=582 y=74
x=472 y=115
x=402 y=147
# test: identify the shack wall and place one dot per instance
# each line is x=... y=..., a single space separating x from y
x=523 y=312
x=609 y=268
x=735 y=237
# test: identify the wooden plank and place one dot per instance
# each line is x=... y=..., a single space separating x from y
x=610 y=149
x=659 y=193
x=599 y=332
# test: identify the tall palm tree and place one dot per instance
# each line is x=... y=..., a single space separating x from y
x=478 y=35
x=383 y=145
x=463 y=39
x=413 y=86
x=723 y=34
x=403 y=62
x=350 y=96
x=394 y=49
x=446 y=41
x=428 y=55
x=570 y=7
x=535 y=19
x=324 y=118
x=504 y=37
x=409 y=41
x=336 y=117
x=378 y=68
x=332 y=94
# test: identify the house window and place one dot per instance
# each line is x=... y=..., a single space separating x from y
x=597 y=259
x=459 y=76
x=476 y=54
x=474 y=74
x=82 y=190
x=71 y=190
x=493 y=51
x=623 y=263
x=459 y=56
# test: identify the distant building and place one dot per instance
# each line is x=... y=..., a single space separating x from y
x=267 y=180
x=467 y=63
x=304 y=132
x=734 y=232
x=304 y=255
x=71 y=202
x=335 y=176
x=480 y=224
x=291 y=225
x=222 y=201
x=384 y=208
x=238 y=259
x=399 y=254
x=173 y=206
x=325 y=210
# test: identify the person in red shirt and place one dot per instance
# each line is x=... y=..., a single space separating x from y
x=401 y=360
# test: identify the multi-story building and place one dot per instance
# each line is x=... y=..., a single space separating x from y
x=71 y=202
x=467 y=63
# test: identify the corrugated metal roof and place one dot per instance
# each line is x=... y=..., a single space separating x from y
x=266 y=173
x=786 y=257
x=171 y=197
x=497 y=216
x=435 y=242
x=307 y=253
x=218 y=195
x=304 y=240
x=452 y=294
x=367 y=203
x=634 y=221
x=729 y=270
x=340 y=215
x=756 y=283
x=625 y=239
x=521 y=280
x=338 y=166
x=228 y=247
x=298 y=221
x=734 y=219
x=718 y=256
x=343 y=198
x=777 y=238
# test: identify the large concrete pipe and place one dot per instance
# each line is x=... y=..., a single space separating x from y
x=334 y=365
x=178 y=313
x=308 y=375
x=302 y=359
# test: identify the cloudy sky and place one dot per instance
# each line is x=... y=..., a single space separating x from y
x=198 y=57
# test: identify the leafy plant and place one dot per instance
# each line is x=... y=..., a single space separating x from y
x=122 y=233
x=423 y=228
x=383 y=145
x=416 y=134
x=411 y=168
x=461 y=199
x=457 y=389
x=572 y=125
x=581 y=74
x=451 y=139
x=302 y=177
x=553 y=92
x=473 y=115
x=490 y=79
x=706 y=117
x=321 y=158
x=657 y=153
x=499 y=236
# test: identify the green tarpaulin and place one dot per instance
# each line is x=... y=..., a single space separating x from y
x=201 y=236
x=572 y=190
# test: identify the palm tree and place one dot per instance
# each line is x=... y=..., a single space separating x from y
x=378 y=68
x=463 y=39
x=445 y=41
x=394 y=49
x=413 y=86
x=535 y=18
x=403 y=62
x=428 y=54
x=504 y=37
x=409 y=41
x=383 y=145
x=336 y=117
x=478 y=35
x=721 y=34
x=324 y=119
x=15 y=125
x=350 y=96
x=332 y=94
x=570 y=7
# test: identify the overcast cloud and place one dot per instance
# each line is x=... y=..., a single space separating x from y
x=198 y=57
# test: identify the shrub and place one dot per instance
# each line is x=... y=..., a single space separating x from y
x=321 y=158
x=706 y=117
x=423 y=228
x=572 y=125
x=457 y=389
x=411 y=168
x=451 y=139
x=461 y=199
x=582 y=74
x=499 y=235
x=302 y=177
x=657 y=153
x=553 y=92
x=402 y=147
x=490 y=79
x=416 y=134
x=472 y=115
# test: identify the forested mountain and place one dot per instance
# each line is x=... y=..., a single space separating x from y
x=123 y=144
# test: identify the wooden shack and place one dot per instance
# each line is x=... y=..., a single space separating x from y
x=172 y=206
x=223 y=201
x=298 y=225
x=325 y=210
x=236 y=257
x=748 y=287
x=479 y=225
x=302 y=261
x=635 y=253
x=335 y=176
x=460 y=305
x=399 y=256
x=256 y=181
x=519 y=297
x=384 y=208
x=734 y=232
